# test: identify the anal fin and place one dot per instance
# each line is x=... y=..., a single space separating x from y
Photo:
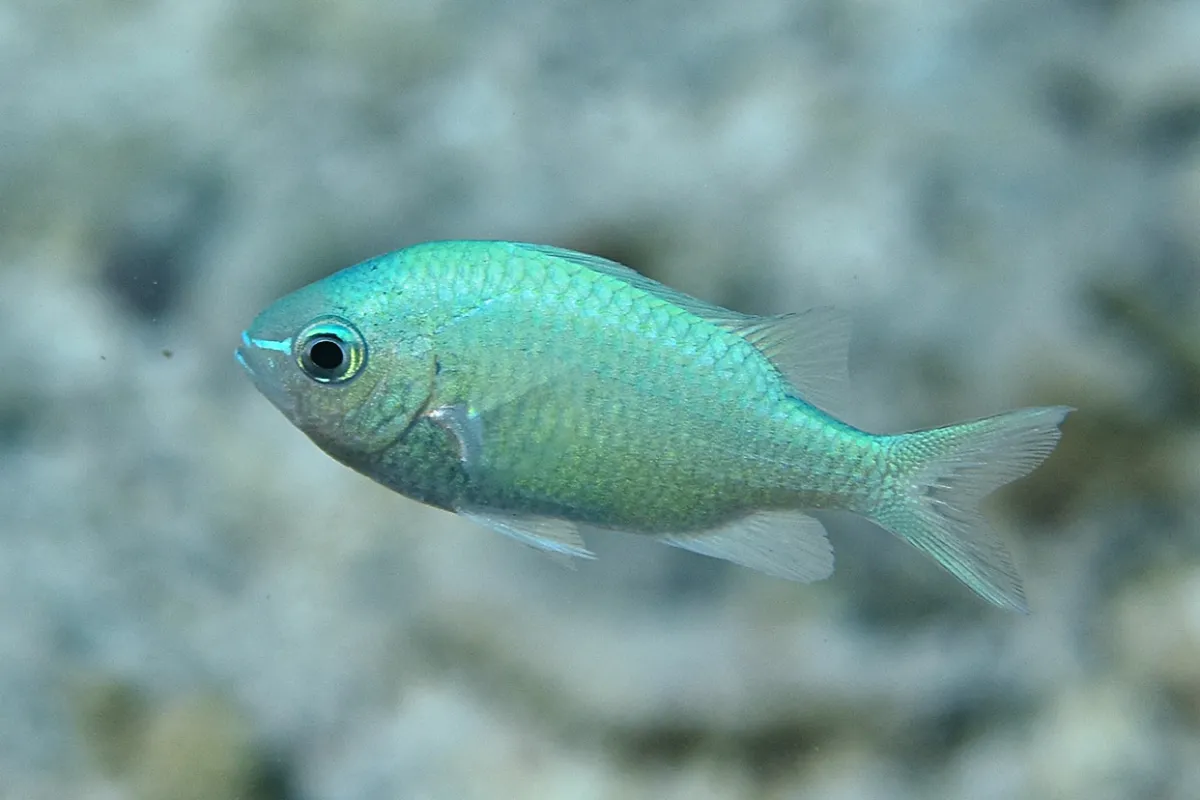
x=785 y=544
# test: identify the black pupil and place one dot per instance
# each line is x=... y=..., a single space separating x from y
x=326 y=354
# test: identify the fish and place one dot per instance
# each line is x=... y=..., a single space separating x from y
x=543 y=392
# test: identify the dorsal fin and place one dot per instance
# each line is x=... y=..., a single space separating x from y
x=713 y=313
x=810 y=349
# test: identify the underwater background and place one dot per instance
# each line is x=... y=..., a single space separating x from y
x=196 y=602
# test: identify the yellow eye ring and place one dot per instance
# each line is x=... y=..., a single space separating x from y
x=330 y=350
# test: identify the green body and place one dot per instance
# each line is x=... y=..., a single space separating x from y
x=608 y=404
x=530 y=381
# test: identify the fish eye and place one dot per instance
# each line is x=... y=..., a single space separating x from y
x=331 y=350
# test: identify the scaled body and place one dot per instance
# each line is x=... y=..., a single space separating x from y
x=534 y=390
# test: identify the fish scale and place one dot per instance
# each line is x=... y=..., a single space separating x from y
x=541 y=392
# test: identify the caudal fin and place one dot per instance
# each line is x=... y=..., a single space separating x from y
x=943 y=474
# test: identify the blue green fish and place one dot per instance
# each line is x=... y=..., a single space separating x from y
x=540 y=392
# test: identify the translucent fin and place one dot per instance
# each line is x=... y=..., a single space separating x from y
x=955 y=467
x=483 y=431
x=555 y=536
x=465 y=427
x=519 y=440
x=811 y=350
x=710 y=312
x=786 y=544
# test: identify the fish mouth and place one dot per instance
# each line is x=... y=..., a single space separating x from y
x=259 y=363
x=240 y=356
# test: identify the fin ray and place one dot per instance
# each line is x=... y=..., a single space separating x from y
x=811 y=350
x=786 y=544
x=550 y=534
x=937 y=509
x=467 y=429
x=708 y=311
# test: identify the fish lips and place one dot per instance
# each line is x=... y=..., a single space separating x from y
x=265 y=366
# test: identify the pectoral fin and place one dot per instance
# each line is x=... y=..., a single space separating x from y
x=466 y=428
x=786 y=544
x=520 y=439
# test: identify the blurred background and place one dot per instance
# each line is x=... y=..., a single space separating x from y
x=195 y=602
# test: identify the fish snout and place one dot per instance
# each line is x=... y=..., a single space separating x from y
x=266 y=362
x=239 y=353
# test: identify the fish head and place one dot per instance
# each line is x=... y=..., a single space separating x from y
x=335 y=357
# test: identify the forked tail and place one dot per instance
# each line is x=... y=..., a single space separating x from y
x=941 y=476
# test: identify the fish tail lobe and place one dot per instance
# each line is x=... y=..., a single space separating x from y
x=940 y=477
